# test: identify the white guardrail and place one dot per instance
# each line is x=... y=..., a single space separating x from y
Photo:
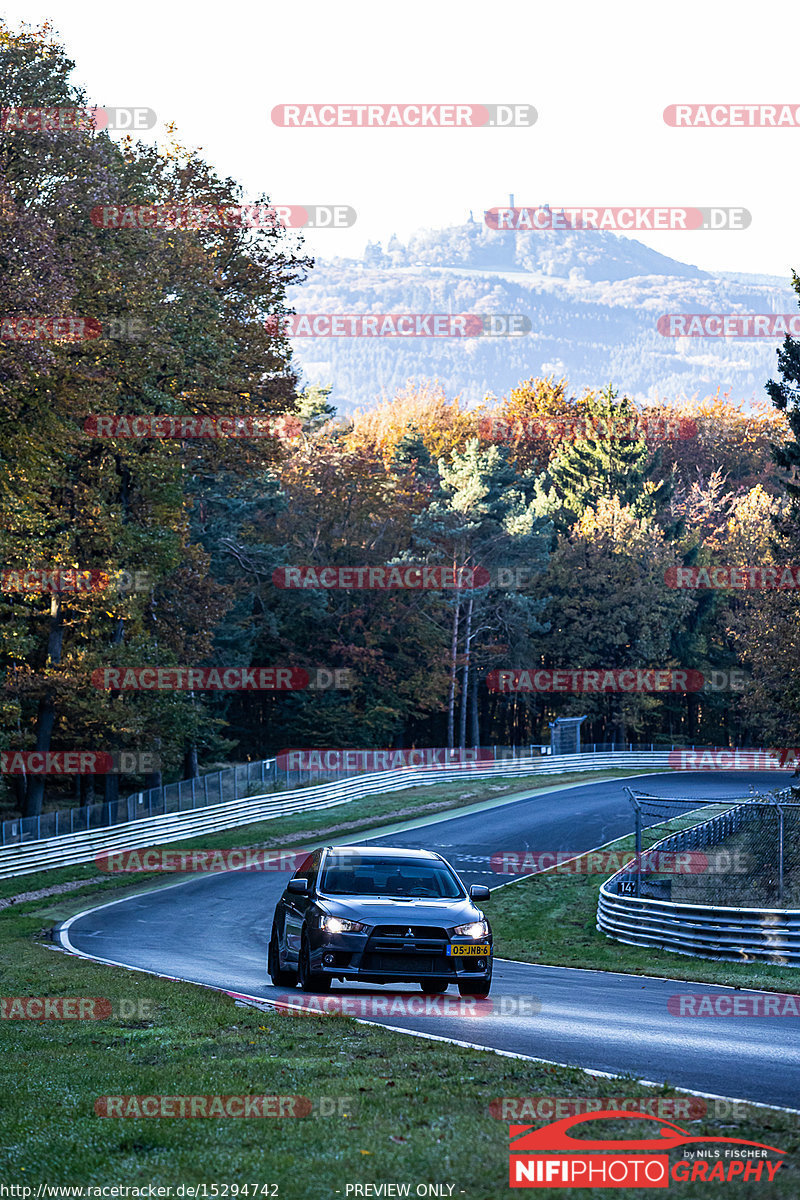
x=703 y=930
x=717 y=931
x=76 y=848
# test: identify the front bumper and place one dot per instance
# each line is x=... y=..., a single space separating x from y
x=351 y=956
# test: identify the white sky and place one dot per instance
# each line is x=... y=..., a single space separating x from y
x=599 y=75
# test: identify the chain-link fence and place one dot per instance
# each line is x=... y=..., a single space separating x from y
x=231 y=783
x=742 y=852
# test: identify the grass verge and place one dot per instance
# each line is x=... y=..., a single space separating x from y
x=403 y=1110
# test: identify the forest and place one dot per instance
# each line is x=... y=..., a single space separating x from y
x=554 y=521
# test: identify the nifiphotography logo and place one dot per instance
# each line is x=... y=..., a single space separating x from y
x=551 y=1157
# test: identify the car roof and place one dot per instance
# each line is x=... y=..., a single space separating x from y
x=387 y=851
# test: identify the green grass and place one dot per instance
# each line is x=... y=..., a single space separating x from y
x=405 y=1109
x=551 y=918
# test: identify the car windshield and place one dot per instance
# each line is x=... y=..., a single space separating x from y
x=409 y=878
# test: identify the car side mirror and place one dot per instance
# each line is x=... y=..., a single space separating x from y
x=298 y=886
x=479 y=891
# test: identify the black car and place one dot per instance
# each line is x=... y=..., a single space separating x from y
x=380 y=915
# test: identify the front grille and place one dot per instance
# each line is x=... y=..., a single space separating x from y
x=417 y=931
x=403 y=945
x=392 y=949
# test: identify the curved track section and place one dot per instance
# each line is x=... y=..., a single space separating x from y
x=214 y=929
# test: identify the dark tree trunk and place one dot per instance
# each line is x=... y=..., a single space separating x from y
x=190 y=767
x=476 y=734
x=46 y=716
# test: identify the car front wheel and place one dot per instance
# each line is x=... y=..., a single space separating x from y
x=480 y=987
x=279 y=977
x=476 y=987
x=309 y=980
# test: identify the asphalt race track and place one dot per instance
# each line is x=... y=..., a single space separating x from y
x=213 y=929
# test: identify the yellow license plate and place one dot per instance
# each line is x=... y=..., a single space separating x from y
x=457 y=951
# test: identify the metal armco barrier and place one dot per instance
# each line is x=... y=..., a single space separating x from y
x=700 y=930
x=76 y=848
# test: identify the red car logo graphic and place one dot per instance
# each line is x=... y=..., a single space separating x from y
x=555 y=1136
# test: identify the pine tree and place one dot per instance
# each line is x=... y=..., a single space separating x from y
x=608 y=459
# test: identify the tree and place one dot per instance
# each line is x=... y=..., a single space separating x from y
x=608 y=608
x=74 y=500
x=483 y=517
x=611 y=461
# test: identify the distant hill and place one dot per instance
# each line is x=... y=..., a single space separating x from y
x=593 y=299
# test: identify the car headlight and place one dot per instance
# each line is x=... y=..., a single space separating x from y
x=340 y=925
x=475 y=929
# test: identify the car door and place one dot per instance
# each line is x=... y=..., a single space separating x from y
x=296 y=907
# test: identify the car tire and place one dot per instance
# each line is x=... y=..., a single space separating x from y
x=309 y=980
x=431 y=988
x=279 y=977
x=475 y=987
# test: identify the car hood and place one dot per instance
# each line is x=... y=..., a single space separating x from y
x=379 y=911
